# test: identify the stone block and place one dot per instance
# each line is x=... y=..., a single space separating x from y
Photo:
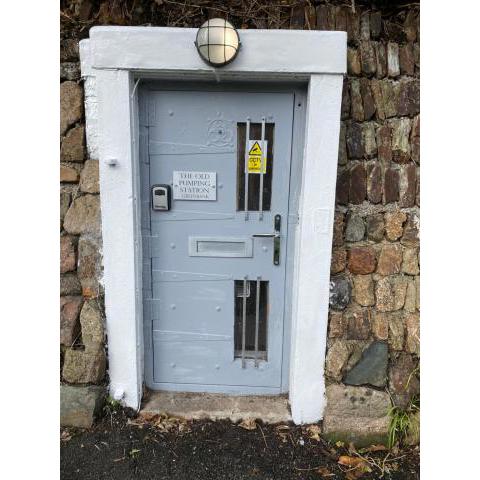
x=393 y=63
x=345 y=108
x=338 y=226
x=354 y=66
x=65 y=200
x=356 y=414
x=380 y=59
x=384 y=144
x=336 y=359
x=407 y=60
x=380 y=325
x=407 y=186
x=69 y=50
x=297 y=17
x=362 y=260
x=80 y=406
x=401 y=139
x=89 y=177
x=89 y=265
x=365 y=26
x=412 y=325
x=69 y=311
x=68 y=174
x=358 y=184
x=325 y=17
x=340 y=19
x=384 y=295
x=403 y=382
x=337 y=325
x=396 y=331
x=356 y=100
x=410 y=297
x=355 y=146
x=390 y=92
x=340 y=292
x=390 y=185
x=71 y=105
x=69 y=71
x=369 y=141
x=415 y=140
x=367 y=98
x=375 y=227
x=353 y=27
x=73 y=145
x=68 y=254
x=91 y=322
x=358 y=324
x=375 y=24
x=372 y=367
x=83 y=216
x=377 y=96
x=410 y=236
x=368 y=58
x=409 y=97
x=390 y=259
x=410 y=25
x=410 y=261
x=342 y=188
x=363 y=292
x=374 y=183
x=394 y=224
x=399 y=285
x=355 y=230
x=70 y=285
x=342 y=145
x=417 y=291
x=339 y=260
x=81 y=366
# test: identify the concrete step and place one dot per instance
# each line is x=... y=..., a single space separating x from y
x=216 y=406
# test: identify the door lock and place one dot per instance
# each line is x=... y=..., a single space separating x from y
x=161 y=197
x=276 y=238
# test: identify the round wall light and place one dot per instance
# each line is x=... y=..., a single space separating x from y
x=217 y=42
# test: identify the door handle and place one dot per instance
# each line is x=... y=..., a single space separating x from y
x=276 y=238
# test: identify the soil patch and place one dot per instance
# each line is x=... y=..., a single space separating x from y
x=164 y=448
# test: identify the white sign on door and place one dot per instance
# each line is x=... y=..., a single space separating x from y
x=194 y=185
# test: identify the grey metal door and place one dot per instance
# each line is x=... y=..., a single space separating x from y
x=214 y=263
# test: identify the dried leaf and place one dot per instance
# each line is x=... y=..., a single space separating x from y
x=350 y=461
x=248 y=424
x=340 y=444
x=314 y=432
x=65 y=436
x=358 y=467
x=324 y=472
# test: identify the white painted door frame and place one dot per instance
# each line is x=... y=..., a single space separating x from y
x=112 y=61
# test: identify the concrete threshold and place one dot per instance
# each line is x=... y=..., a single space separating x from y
x=216 y=406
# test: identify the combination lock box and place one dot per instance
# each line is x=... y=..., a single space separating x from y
x=161 y=197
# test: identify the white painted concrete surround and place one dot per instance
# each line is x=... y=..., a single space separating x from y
x=112 y=59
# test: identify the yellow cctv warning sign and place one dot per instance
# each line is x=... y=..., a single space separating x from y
x=256 y=157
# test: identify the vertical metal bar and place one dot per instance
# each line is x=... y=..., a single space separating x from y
x=247 y=138
x=262 y=156
x=244 y=319
x=257 y=319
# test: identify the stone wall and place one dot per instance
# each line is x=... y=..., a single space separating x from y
x=373 y=336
